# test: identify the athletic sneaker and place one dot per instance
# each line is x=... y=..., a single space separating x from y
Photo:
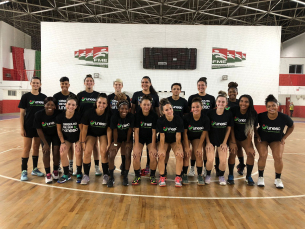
x=178 y=183
x=278 y=183
x=240 y=169
x=48 y=178
x=36 y=172
x=207 y=179
x=153 y=180
x=200 y=180
x=64 y=179
x=125 y=181
x=185 y=179
x=55 y=175
x=192 y=171
x=162 y=182
x=260 y=182
x=79 y=178
x=85 y=179
x=230 y=179
x=59 y=169
x=98 y=171
x=204 y=172
x=105 y=179
x=110 y=182
x=24 y=175
x=222 y=180
x=136 y=180
x=250 y=181
x=71 y=171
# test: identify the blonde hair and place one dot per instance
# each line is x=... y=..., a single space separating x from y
x=222 y=94
x=118 y=81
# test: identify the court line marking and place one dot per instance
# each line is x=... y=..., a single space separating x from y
x=9 y=119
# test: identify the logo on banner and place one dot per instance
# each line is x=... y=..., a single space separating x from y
x=226 y=58
x=96 y=56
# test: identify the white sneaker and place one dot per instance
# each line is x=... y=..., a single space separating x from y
x=192 y=171
x=98 y=172
x=278 y=183
x=105 y=179
x=49 y=178
x=222 y=180
x=204 y=172
x=260 y=182
x=59 y=169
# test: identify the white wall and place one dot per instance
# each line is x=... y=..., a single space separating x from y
x=258 y=77
x=294 y=47
x=286 y=61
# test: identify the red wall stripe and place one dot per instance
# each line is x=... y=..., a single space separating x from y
x=9 y=106
x=292 y=80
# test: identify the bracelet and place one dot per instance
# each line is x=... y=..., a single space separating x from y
x=63 y=143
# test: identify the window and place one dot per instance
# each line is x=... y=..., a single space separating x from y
x=12 y=93
x=295 y=69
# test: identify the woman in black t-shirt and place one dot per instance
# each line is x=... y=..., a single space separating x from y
x=271 y=133
x=196 y=127
x=30 y=103
x=96 y=127
x=221 y=122
x=245 y=120
x=121 y=125
x=145 y=133
x=170 y=127
x=45 y=123
x=68 y=129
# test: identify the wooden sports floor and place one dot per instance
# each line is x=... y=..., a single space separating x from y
x=34 y=204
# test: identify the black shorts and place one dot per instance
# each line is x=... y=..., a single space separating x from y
x=30 y=132
x=54 y=139
x=146 y=141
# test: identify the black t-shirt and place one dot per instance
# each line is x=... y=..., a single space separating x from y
x=170 y=128
x=218 y=126
x=146 y=124
x=69 y=127
x=86 y=101
x=113 y=103
x=195 y=128
x=97 y=124
x=31 y=103
x=46 y=122
x=232 y=104
x=273 y=130
x=61 y=100
x=239 y=123
x=180 y=106
x=208 y=102
x=137 y=98
x=122 y=125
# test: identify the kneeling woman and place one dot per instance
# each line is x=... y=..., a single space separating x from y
x=221 y=122
x=196 y=127
x=271 y=133
x=45 y=123
x=245 y=120
x=68 y=129
x=96 y=125
x=121 y=125
x=145 y=133
x=170 y=127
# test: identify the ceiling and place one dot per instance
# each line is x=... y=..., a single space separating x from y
x=26 y=15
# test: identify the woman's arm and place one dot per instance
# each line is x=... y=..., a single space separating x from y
x=22 y=114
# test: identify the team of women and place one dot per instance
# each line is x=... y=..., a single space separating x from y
x=94 y=123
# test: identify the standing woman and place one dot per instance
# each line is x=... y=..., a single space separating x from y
x=45 y=123
x=121 y=125
x=145 y=133
x=271 y=133
x=170 y=127
x=96 y=126
x=221 y=122
x=245 y=120
x=196 y=127
x=68 y=129
x=30 y=103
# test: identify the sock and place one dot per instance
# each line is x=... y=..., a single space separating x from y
x=261 y=173
x=66 y=170
x=241 y=160
x=221 y=173
x=193 y=162
x=178 y=175
x=137 y=172
x=278 y=175
x=208 y=172
x=152 y=173
x=249 y=170
x=48 y=170
x=185 y=168
x=105 y=168
x=123 y=162
x=231 y=168
x=24 y=163
x=205 y=162
x=165 y=166
x=217 y=163
x=199 y=170
x=87 y=168
x=162 y=175
x=55 y=167
x=70 y=163
x=126 y=173
x=96 y=162
x=111 y=173
x=79 y=169
x=148 y=159
x=35 y=161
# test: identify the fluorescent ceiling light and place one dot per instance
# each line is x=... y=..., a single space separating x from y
x=3 y=2
x=299 y=2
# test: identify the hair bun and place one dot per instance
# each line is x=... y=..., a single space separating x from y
x=222 y=93
x=233 y=84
